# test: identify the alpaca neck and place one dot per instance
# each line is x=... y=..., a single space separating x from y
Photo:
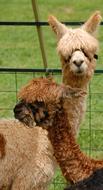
x=74 y=81
x=74 y=164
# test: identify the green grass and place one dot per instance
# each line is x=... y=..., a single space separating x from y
x=19 y=47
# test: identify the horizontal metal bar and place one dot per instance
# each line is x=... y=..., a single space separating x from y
x=30 y=70
x=41 y=23
x=99 y=71
x=49 y=70
x=5 y=23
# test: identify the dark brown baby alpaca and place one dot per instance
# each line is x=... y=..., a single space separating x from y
x=37 y=100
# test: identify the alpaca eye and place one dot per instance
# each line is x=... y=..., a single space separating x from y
x=85 y=54
x=65 y=60
x=68 y=59
x=95 y=56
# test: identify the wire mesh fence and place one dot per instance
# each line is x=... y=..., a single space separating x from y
x=91 y=133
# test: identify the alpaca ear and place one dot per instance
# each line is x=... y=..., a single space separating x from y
x=59 y=28
x=91 y=25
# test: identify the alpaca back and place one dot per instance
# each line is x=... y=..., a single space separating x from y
x=28 y=152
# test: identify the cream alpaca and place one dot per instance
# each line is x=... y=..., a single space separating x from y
x=78 y=52
x=77 y=49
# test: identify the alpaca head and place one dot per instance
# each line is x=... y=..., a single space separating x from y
x=77 y=49
x=40 y=99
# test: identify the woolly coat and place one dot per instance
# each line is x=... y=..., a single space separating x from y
x=26 y=157
x=75 y=165
x=94 y=182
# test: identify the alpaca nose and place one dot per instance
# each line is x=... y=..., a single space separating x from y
x=78 y=63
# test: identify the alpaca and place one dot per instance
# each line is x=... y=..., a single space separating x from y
x=75 y=165
x=26 y=154
x=78 y=53
x=77 y=49
x=94 y=182
x=32 y=108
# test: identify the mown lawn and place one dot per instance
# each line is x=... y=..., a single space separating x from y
x=19 y=48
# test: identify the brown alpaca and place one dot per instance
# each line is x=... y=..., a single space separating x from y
x=77 y=49
x=33 y=96
x=27 y=161
x=75 y=165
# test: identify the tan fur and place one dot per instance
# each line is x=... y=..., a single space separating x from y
x=91 y=25
x=57 y=27
x=46 y=90
x=69 y=41
x=28 y=162
x=38 y=90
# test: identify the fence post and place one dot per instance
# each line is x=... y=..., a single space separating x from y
x=40 y=34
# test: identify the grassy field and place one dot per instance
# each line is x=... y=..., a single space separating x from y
x=19 y=48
